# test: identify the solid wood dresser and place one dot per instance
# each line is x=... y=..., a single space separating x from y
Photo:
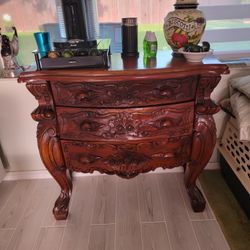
x=132 y=118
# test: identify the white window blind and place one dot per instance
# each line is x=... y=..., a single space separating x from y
x=92 y=19
x=228 y=24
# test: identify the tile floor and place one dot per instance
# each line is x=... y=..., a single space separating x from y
x=149 y=212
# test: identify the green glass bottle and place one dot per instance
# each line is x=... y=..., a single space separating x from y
x=150 y=44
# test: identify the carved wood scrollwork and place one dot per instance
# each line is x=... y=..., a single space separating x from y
x=124 y=93
x=204 y=105
x=128 y=159
x=202 y=148
x=108 y=124
x=49 y=145
x=204 y=139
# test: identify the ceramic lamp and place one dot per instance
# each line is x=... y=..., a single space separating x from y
x=186 y=24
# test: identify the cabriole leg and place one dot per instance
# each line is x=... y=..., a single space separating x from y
x=51 y=154
x=49 y=145
x=204 y=140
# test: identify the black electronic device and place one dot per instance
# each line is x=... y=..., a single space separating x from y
x=75 y=23
x=78 y=19
x=75 y=44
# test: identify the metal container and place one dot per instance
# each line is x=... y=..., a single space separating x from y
x=129 y=37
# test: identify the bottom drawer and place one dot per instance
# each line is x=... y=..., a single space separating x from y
x=126 y=159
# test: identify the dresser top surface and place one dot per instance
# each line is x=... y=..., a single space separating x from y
x=164 y=63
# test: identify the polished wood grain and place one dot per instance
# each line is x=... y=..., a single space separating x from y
x=155 y=237
x=124 y=93
x=132 y=68
x=126 y=159
x=118 y=124
x=128 y=119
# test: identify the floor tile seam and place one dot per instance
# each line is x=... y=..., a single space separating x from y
x=188 y=216
x=223 y=235
x=103 y=224
x=43 y=217
x=164 y=216
x=152 y=222
x=47 y=210
x=193 y=220
x=10 y=240
x=6 y=202
x=26 y=206
x=74 y=189
x=93 y=203
x=52 y=227
x=139 y=212
x=182 y=196
x=7 y=229
x=208 y=204
x=97 y=185
x=21 y=217
x=116 y=205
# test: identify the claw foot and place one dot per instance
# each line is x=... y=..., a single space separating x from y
x=197 y=200
x=61 y=208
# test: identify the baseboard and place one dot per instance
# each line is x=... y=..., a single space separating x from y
x=2 y=171
x=212 y=166
x=44 y=174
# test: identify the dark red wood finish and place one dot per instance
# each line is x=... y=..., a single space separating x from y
x=126 y=120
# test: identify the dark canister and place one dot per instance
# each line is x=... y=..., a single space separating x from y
x=129 y=37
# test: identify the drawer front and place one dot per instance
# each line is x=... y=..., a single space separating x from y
x=125 y=124
x=124 y=94
x=126 y=159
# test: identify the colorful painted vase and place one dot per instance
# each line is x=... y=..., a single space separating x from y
x=184 y=25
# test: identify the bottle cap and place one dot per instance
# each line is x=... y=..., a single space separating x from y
x=152 y=37
x=186 y=1
x=129 y=21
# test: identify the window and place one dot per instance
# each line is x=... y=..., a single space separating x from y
x=28 y=16
x=228 y=25
x=228 y=21
x=150 y=15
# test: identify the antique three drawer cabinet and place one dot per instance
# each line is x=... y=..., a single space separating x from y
x=125 y=120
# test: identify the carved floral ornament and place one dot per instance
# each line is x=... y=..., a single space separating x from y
x=124 y=93
x=108 y=123
x=154 y=123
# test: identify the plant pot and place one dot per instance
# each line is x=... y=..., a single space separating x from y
x=184 y=25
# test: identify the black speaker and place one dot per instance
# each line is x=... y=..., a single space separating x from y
x=74 y=19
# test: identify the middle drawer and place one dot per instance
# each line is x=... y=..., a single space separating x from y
x=125 y=124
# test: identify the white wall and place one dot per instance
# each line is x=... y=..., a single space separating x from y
x=18 y=130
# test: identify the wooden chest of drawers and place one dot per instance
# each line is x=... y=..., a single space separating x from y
x=125 y=120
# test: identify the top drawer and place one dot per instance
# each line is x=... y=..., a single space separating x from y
x=124 y=93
